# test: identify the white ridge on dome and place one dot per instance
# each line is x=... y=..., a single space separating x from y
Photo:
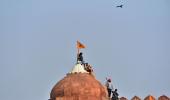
x=78 y=68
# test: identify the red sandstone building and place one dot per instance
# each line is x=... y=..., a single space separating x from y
x=78 y=85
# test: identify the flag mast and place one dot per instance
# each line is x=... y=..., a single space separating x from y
x=79 y=46
x=78 y=51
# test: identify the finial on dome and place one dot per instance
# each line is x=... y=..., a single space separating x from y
x=78 y=68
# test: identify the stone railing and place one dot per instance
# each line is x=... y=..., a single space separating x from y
x=149 y=97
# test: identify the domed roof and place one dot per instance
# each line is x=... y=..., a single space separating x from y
x=163 y=97
x=123 y=98
x=136 y=98
x=149 y=97
x=78 y=86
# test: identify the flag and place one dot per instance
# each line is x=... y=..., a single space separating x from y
x=80 y=45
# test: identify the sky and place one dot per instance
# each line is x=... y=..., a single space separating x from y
x=38 y=45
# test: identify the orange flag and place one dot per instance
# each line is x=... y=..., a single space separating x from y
x=80 y=45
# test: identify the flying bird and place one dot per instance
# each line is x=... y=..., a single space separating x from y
x=119 y=6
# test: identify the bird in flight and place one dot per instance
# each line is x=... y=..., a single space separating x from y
x=120 y=6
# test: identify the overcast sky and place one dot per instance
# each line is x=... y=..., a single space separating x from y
x=130 y=45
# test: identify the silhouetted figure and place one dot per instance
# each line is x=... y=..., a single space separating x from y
x=109 y=87
x=115 y=95
x=80 y=58
x=119 y=6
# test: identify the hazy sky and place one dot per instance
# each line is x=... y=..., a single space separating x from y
x=38 y=39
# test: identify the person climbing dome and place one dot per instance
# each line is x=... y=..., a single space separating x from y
x=109 y=87
x=115 y=95
x=88 y=68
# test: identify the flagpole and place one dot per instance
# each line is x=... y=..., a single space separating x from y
x=78 y=51
x=77 y=54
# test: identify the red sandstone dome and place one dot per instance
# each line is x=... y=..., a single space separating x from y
x=149 y=97
x=78 y=86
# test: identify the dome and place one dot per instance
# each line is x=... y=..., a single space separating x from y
x=123 y=98
x=149 y=97
x=163 y=97
x=78 y=86
x=136 y=98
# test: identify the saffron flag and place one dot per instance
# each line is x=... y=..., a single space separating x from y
x=80 y=45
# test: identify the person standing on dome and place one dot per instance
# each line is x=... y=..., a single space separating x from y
x=115 y=95
x=80 y=54
x=80 y=58
x=109 y=87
